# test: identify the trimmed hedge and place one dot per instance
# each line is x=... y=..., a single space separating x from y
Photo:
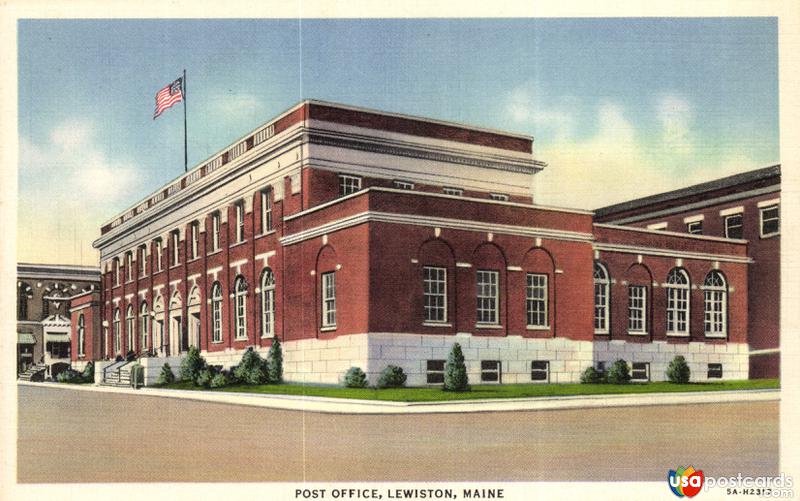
x=252 y=369
x=192 y=365
x=593 y=376
x=355 y=378
x=165 y=376
x=619 y=373
x=678 y=370
x=275 y=362
x=455 y=374
x=392 y=377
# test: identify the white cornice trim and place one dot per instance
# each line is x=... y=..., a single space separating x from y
x=671 y=233
x=455 y=224
x=631 y=249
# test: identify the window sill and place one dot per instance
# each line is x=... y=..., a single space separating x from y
x=328 y=328
x=261 y=235
x=436 y=324
x=716 y=336
x=193 y=260
x=270 y=336
x=175 y=266
x=237 y=244
x=488 y=326
x=601 y=333
x=142 y=276
x=770 y=235
x=677 y=334
x=217 y=342
x=637 y=333
x=537 y=327
x=128 y=282
x=639 y=380
x=216 y=251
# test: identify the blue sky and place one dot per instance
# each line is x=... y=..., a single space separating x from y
x=619 y=108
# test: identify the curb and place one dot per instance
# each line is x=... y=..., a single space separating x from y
x=352 y=406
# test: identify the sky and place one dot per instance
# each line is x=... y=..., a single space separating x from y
x=619 y=108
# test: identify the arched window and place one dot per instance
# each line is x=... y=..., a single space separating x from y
x=129 y=326
x=117 y=334
x=240 y=308
x=715 y=304
x=216 y=313
x=677 y=302
x=143 y=325
x=601 y=299
x=267 y=303
x=81 y=335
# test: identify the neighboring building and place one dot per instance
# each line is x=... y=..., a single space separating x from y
x=365 y=238
x=745 y=206
x=44 y=292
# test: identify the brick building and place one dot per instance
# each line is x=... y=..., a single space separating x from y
x=366 y=238
x=745 y=206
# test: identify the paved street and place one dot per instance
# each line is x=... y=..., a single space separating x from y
x=76 y=436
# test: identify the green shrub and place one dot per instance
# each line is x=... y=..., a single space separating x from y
x=192 y=364
x=678 y=370
x=593 y=376
x=69 y=376
x=165 y=376
x=275 y=362
x=88 y=372
x=252 y=369
x=619 y=373
x=219 y=380
x=455 y=373
x=204 y=377
x=355 y=378
x=392 y=377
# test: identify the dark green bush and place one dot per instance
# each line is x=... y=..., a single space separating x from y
x=204 y=377
x=88 y=372
x=166 y=376
x=219 y=380
x=355 y=378
x=192 y=364
x=252 y=369
x=678 y=370
x=392 y=377
x=455 y=372
x=69 y=376
x=275 y=362
x=619 y=373
x=593 y=376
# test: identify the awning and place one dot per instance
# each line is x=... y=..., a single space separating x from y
x=56 y=337
x=25 y=338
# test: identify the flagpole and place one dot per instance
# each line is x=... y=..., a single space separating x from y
x=185 y=148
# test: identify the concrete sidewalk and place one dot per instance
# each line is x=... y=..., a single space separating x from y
x=352 y=406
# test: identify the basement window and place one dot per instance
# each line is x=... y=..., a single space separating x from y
x=435 y=373
x=491 y=371
x=641 y=371
x=714 y=371
x=540 y=371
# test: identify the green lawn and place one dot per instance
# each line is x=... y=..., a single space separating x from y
x=485 y=391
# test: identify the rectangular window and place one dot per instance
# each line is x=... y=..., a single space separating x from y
x=536 y=300
x=329 y=299
x=677 y=310
x=456 y=192
x=499 y=196
x=640 y=371
x=770 y=221
x=215 y=222
x=540 y=371
x=733 y=226
x=239 y=222
x=714 y=310
x=142 y=258
x=435 y=372
x=266 y=211
x=176 y=246
x=637 y=309
x=348 y=184
x=714 y=371
x=158 y=249
x=128 y=266
x=115 y=265
x=403 y=185
x=241 y=314
x=488 y=297
x=195 y=239
x=434 y=283
x=695 y=227
x=491 y=371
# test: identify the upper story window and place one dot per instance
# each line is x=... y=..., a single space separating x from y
x=770 y=220
x=158 y=254
x=329 y=299
x=536 y=299
x=240 y=308
x=216 y=313
x=456 y=192
x=348 y=184
x=637 y=309
x=215 y=222
x=499 y=196
x=176 y=247
x=239 y=222
x=195 y=244
x=488 y=296
x=695 y=227
x=601 y=299
x=267 y=303
x=266 y=210
x=128 y=266
x=677 y=289
x=142 y=259
x=434 y=292
x=115 y=265
x=403 y=185
x=715 y=304
x=734 y=226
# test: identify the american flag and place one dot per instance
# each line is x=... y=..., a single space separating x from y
x=169 y=96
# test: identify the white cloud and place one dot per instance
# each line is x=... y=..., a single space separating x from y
x=236 y=105
x=525 y=107
x=676 y=117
